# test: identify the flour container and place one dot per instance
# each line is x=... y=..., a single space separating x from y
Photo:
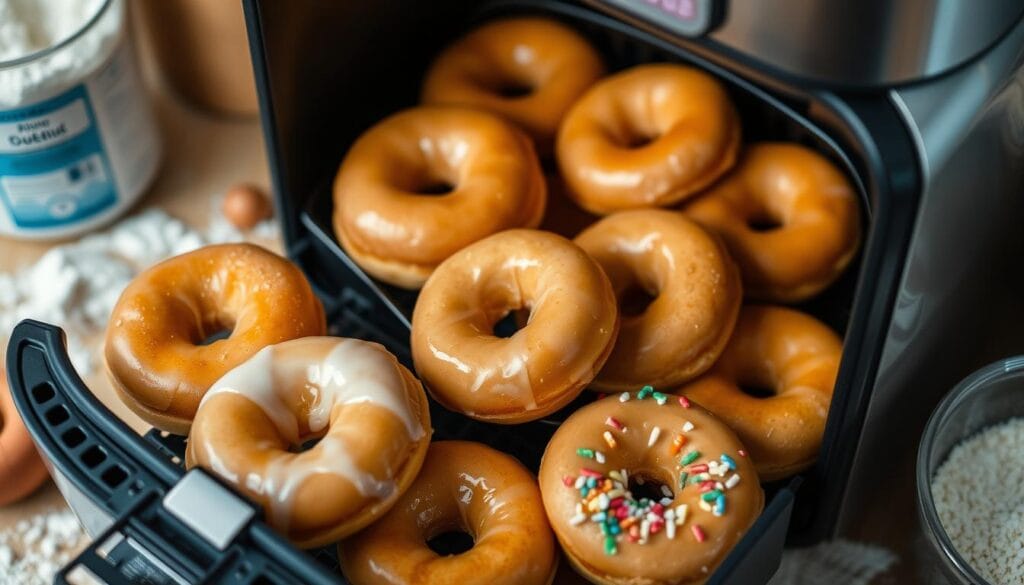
x=78 y=141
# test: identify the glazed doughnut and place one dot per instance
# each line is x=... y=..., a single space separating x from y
x=789 y=217
x=696 y=292
x=368 y=411
x=796 y=357
x=21 y=469
x=463 y=487
x=699 y=493
x=650 y=136
x=388 y=214
x=529 y=70
x=154 y=345
x=570 y=331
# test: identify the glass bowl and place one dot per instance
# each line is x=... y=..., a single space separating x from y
x=992 y=395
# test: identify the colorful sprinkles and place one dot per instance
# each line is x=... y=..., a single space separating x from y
x=655 y=433
x=606 y=500
x=690 y=457
x=609 y=439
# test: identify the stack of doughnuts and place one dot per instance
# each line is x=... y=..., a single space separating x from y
x=662 y=238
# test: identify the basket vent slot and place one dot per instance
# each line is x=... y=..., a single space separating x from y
x=43 y=392
x=94 y=456
x=57 y=415
x=114 y=476
x=73 y=437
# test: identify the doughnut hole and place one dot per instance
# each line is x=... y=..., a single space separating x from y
x=756 y=382
x=440 y=187
x=763 y=221
x=634 y=301
x=431 y=181
x=510 y=83
x=633 y=137
x=650 y=484
x=513 y=89
x=638 y=141
x=218 y=333
x=451 y=541
x=512 y=322
x=634 y=292
x=757 y=391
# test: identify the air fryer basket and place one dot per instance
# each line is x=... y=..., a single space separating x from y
x=122 y=480
x=764 y=116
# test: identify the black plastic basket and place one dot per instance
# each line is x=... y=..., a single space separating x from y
x=119 y=483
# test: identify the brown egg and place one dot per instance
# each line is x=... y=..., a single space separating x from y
x=245 y=206
x=21 y=469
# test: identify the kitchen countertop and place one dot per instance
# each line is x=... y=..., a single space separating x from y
x=203 y=156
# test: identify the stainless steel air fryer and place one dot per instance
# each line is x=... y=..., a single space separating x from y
x=920 y=102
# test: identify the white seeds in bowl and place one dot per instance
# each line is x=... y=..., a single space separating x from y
x=979 y=497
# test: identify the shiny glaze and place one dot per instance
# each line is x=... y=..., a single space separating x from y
x=661 y=561
x=649 y=136
x=21 y=469
x=794 y=355
x=467 y=487
x=153 y=351
x=813 y=203
x=549 y=62
x=696 y=289
x=569 y=334
x=368 y=412
x=397 y=233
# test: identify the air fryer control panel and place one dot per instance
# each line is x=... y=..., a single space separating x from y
x=688 y=18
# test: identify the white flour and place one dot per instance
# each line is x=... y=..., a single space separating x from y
x=33 y=550
x=28 y=26
x=76 y=285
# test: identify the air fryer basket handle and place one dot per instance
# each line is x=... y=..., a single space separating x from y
x=122 y=486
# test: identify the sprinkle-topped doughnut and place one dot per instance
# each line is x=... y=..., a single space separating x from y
x=647 y=488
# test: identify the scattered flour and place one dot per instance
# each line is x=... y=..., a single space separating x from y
x=28 y=26
x=836 y=562
x=34 y=550
x=979 y=497
x=77 y=285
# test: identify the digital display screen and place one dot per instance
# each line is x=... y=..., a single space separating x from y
x=690 y=18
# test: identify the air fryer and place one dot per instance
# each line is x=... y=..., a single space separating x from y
x=924 y=112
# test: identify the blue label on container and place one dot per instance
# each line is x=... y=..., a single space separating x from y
x=53 y=169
